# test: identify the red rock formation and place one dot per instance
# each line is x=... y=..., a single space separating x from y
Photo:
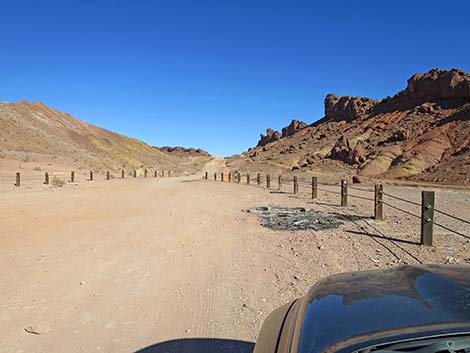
x=293 y=127
x=271 y=136
x=347 y=107
x=421 y=133
x=439 y=84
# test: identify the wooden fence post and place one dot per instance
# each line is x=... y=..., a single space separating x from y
x=18 y=179
x=239 y=177
x=314 y=187
x=268 y=181
x=258 y=179
x=46 y=178
x=378 y=205
x=155 y=174
x=72 y=176
x=91 y=175
x=229 y=177
x=248 y=178
x=279 y=182
x=107 y=175
x=215 y=176
x=145 y=173
x=344 y=192
x=427 y=217
x=205 y=176
x=135 y=173
x=122 y=174
x=222 y=177
x=296 y=185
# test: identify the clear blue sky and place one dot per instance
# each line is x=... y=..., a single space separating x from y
x=214 y=74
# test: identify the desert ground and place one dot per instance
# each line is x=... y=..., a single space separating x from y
x=178 y=265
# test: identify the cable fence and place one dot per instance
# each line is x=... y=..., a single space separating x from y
x=60 y=177
x=425 y=214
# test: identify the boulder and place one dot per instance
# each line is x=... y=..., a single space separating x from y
x=357 y=155
x=356 y=179
x=401 y=135
x=342 y=151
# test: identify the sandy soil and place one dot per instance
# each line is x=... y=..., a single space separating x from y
x=121 y=265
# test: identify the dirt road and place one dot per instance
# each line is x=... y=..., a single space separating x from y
x=127 y=265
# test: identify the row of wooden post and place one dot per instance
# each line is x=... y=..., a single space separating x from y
x=427 y=200
x=72 y=176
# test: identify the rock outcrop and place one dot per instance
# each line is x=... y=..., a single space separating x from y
x=448 y=84
x=347 y=107
x=271 y=136
x=293 y=127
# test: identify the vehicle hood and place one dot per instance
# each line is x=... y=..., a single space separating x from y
x=374 y=305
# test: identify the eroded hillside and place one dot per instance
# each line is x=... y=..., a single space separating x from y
x=422 y=133
x=34 y=132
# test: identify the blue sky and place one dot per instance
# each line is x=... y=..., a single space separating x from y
x=215 y=74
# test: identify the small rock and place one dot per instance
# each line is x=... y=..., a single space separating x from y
x=321 y=247
x=356 y=179
x=82 y=283
x=38 y=329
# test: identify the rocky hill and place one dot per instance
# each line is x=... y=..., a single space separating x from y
x=184 y=151
x=35 y=133
x=422 y=133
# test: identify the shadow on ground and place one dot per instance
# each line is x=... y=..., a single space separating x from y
x=383 y=237
x=200 y=345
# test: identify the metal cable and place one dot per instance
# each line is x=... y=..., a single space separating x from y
x=400 y=199
x=361 y=197
x=454 y=217
x=399 y=209
x=358 y=189
x=451 y=230
x=332 y=192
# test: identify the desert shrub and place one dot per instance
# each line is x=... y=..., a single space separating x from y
x=58 y=183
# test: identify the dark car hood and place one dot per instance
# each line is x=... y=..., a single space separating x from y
x=363 y=306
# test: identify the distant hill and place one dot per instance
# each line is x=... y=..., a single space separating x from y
x=36 y=132
x=422 y=133
x=184 y=151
